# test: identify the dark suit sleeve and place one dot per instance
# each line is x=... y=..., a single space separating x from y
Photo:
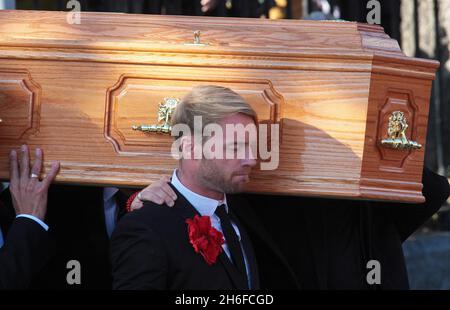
x=138 y=257
x=24 y=254
x=408 y=218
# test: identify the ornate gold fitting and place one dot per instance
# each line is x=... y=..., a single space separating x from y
x=165 y=112
x=397 y=134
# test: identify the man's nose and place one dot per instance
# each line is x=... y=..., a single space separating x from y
x=250 y=160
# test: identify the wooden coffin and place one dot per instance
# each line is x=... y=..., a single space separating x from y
x=335 y=89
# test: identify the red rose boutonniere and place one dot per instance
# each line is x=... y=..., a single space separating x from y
x=205 y=239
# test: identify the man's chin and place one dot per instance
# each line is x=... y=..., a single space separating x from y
x=237 y=187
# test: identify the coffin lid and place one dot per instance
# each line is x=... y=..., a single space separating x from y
x=172 y=34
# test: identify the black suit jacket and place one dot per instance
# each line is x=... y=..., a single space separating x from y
x=329 y=242
x=77 y=232
x=24 y=254
x=151 y=250
x=275 y=272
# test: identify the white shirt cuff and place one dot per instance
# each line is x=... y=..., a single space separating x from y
x=45 y=226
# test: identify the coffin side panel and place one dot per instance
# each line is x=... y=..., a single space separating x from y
x=19 y=105
x=394 y=172
x=322 y=115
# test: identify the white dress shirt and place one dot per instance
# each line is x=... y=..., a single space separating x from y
x=207 y=207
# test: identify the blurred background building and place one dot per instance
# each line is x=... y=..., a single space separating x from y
x=422 y=27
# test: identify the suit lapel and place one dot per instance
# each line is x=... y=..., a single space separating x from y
x=186 y=211
x=234 y=275
x=183 y=207
x=250 y=254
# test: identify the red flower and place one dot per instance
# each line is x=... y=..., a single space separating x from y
x=205 y=239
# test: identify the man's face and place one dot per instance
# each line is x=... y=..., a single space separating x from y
x=230 y=174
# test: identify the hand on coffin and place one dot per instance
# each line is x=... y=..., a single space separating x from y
x=29 y=194
x=159 y=192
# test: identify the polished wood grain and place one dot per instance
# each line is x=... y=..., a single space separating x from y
x=76 y=90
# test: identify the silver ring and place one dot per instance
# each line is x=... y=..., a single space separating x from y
x=34 y=175
x=139 y=196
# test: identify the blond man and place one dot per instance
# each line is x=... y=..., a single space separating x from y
x=200 y=243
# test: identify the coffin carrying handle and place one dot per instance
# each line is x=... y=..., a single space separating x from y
x=397 y=134
x=165 y=112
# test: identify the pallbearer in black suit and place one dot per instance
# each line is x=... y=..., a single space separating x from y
x=81 y=220
x=198 y=243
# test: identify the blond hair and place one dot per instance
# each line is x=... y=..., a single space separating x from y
x=212 y=103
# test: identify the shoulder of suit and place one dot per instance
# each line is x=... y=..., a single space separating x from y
x=151 y=218
x=150 y=212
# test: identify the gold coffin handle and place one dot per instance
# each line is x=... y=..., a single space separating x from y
x=397 y=139
x=153 y=128
x=165 y=112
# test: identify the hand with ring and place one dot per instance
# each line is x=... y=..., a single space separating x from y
x=159 y=192
x=29 y=194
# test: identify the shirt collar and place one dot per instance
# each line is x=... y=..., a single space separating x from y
x=109 y=192
x=204 y=205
